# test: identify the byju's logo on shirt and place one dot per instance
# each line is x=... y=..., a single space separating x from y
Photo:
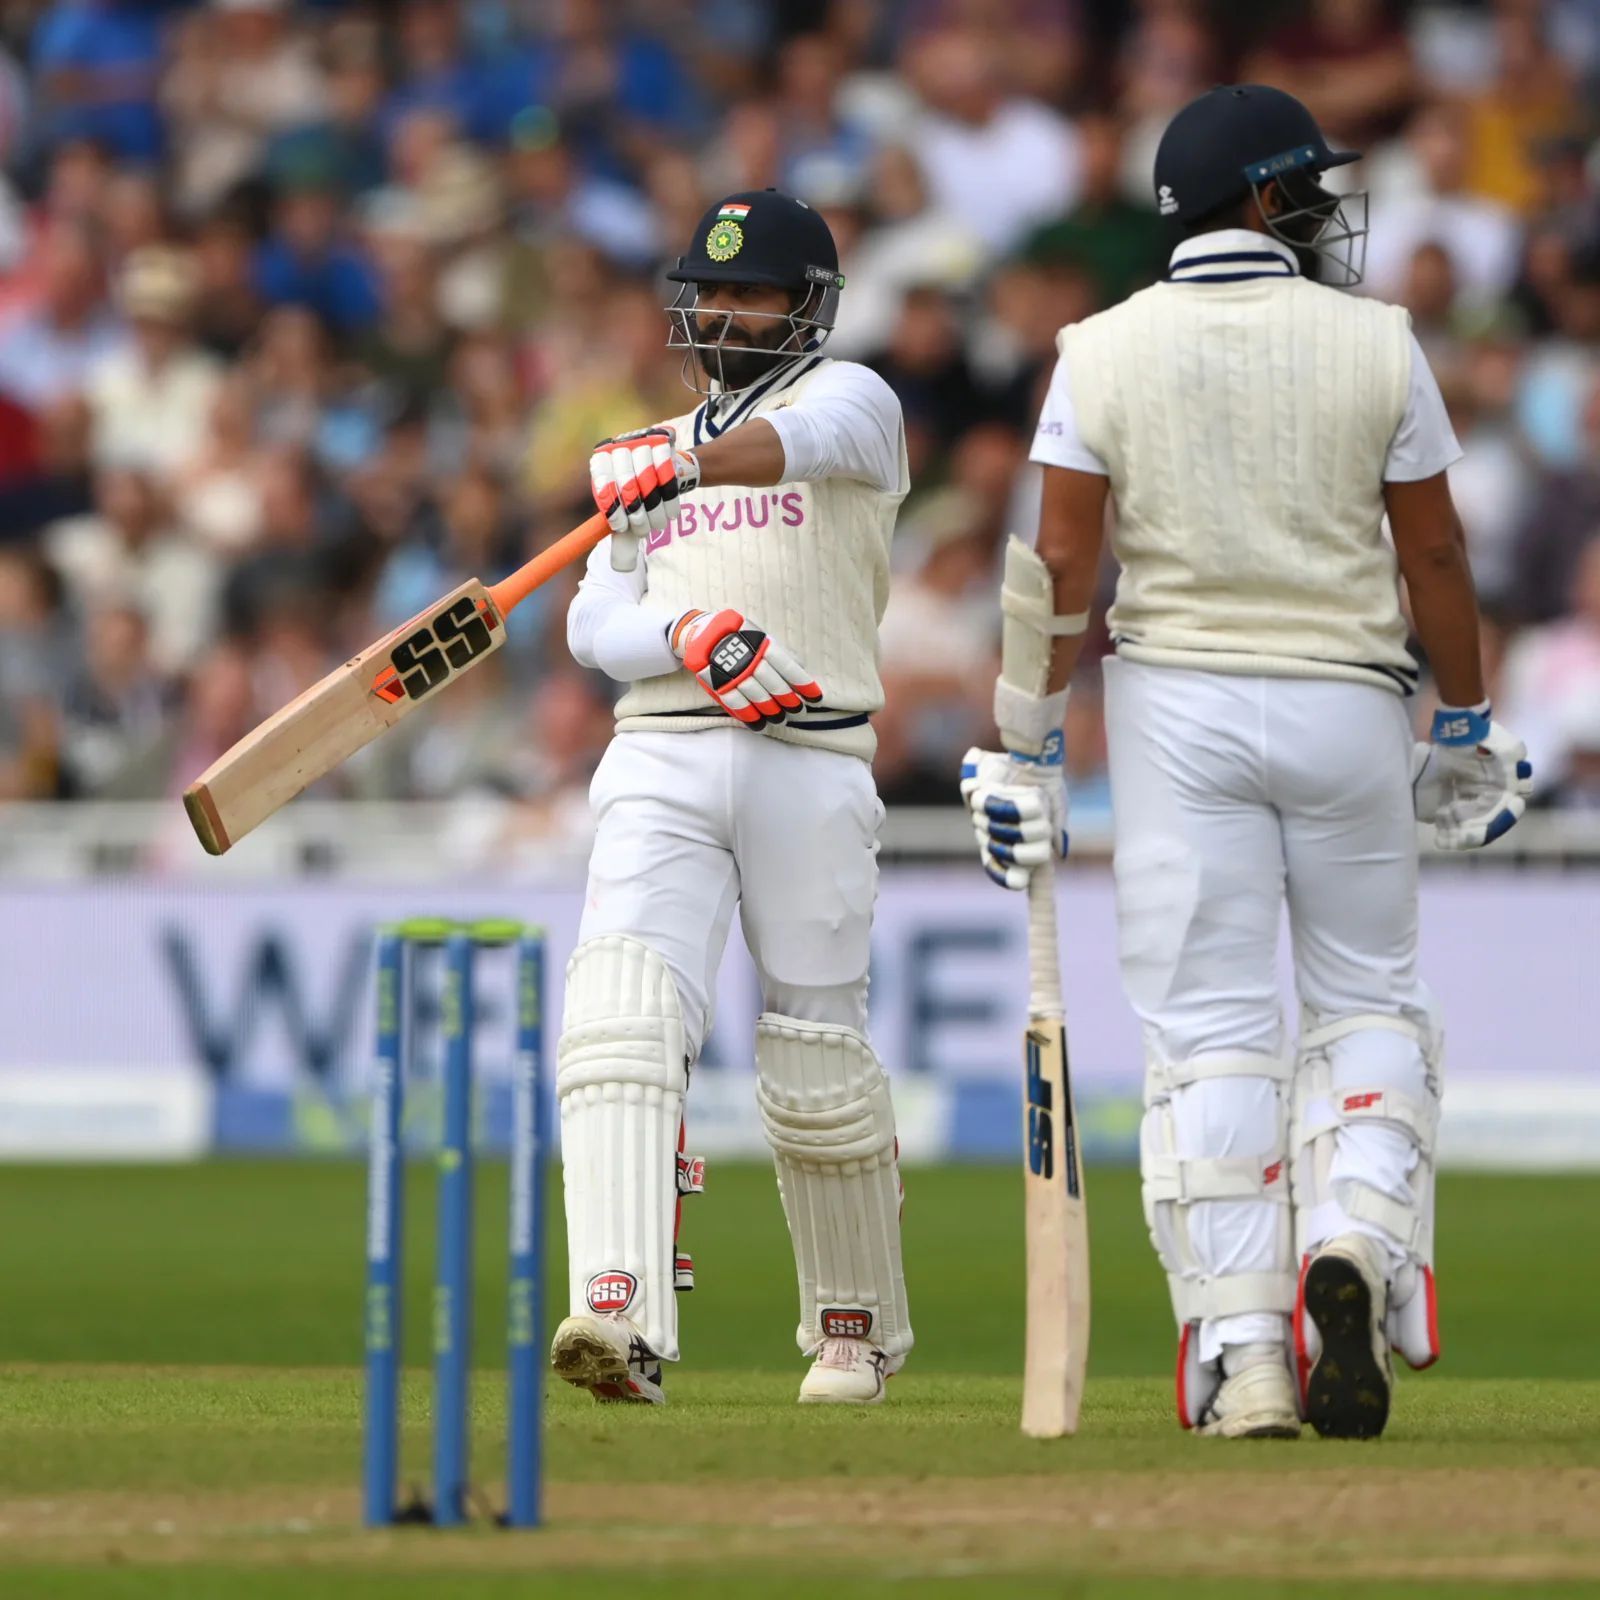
x=784 y=508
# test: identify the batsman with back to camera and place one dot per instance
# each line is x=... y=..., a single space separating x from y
x=770 y=506
x=1253 y=427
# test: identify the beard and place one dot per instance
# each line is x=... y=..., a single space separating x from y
x=744 y=358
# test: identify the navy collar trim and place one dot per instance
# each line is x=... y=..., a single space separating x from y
x=1230 y=255
x=707 y=427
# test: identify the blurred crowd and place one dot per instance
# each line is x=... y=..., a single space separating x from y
x=308 y=311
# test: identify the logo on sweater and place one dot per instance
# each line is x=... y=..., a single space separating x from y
x=780 y=508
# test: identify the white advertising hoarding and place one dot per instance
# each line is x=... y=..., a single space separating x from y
x=257 y=999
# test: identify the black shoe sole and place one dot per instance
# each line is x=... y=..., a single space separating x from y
x=1347 y=1394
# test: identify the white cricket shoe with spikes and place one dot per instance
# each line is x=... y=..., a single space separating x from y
x=606 y=1355
x=1257 y=1403
x=847 y=1372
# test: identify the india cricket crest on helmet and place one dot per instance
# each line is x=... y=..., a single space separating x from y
x=726 y=238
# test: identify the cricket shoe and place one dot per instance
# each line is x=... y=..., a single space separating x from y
x=1346 y=1297
x=1255 y=1403
x=605 y=1355
x=847 y=1371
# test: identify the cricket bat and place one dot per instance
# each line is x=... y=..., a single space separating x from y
x=1056 y=1221
x=371 y=692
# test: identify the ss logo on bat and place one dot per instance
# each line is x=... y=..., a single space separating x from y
x=1041 y=1141
x=454 y=637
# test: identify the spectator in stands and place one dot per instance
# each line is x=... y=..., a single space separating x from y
x=1429 y=294
x=1494 y=482
x=908 y=242
x=308 y=258
x=151 y=398
x=1552 y=673
x=295 y=380
x=216 y=494
x=34 y=652
x=999 y=162
x=227 y=308
x=552 y=197
x=441 y=72
x=114 y=710
x=1561 y=370
x=925 y=363
x=96 y=64
x=1119 y=242
x=809 y=119
x=241 y=74
x=1530 y=102
x=54 y=480
x=1434 y=204
x=1349 y=61
x=1562 y=519
x=408 y=345
x=47 y=354
x=128 y=551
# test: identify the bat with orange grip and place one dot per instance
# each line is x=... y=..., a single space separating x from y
x=371 y=692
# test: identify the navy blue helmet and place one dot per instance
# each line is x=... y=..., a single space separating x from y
x=1228 y=145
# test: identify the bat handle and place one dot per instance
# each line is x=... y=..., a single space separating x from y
x=570 y=547
x=1044 y=961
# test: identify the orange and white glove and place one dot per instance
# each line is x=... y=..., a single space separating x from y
x=742 y=667
x=636 y=479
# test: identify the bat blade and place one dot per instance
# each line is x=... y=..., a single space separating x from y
x=341 y=714
x=1057 y=1232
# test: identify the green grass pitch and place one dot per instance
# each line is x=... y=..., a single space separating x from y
x=180 y=1412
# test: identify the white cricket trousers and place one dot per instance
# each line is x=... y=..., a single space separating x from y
x=1232 y=796
x=690 y=824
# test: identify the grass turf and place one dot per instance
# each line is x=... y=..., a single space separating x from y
x=180 y=1413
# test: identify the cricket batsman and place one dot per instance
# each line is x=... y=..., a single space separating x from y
x=738 y=598
x=1253 y=426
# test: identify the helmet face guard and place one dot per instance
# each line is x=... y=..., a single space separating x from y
x=1312 y=220
x=809 y=322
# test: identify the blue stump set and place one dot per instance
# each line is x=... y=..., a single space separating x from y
x=398 y=948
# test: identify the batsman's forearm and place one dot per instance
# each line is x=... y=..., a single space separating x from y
x=750 y=454
x=1444 y=607
x=1071 y=531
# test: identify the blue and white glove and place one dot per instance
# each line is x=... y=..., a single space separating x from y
x=1019 y=809
x=1471 y=780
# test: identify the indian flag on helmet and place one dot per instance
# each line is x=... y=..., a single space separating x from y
x=733 y=212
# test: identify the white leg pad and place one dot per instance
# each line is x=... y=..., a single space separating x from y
x=826 y=1110
x=1213 y=1148
x=621 y=1075
x=1366 y=1118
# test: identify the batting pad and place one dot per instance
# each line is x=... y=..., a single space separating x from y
x=1366 y=1123
x=826 y=1110
x=621 y=1074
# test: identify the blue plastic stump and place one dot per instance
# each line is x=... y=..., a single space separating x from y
x=385 y=1237
x=525 y=1324
x=452 y=1293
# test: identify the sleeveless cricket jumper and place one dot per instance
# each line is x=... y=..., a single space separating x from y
x=810 y=561
x=695 y=814
x=1259 y=749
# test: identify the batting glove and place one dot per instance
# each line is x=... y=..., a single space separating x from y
x=1019 y=809
x=742 y=667
x=637 y=479
x=1471 y=780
